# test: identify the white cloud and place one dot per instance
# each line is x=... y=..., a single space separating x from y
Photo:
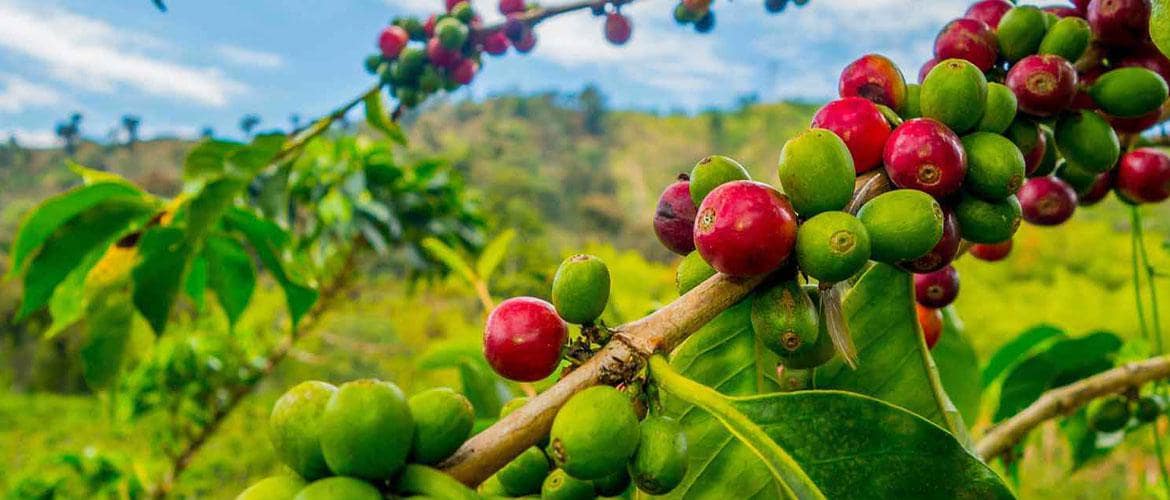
x=659 y=54
x=241 y=56
x=31 y=138
x=93 y=55
x=18 y=94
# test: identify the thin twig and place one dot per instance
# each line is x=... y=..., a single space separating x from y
x=1065 y=400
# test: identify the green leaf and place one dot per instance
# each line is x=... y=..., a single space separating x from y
x=1062 y=363
x=258 y=154
x=271 y=245
x=849 y=445
x=208 y=160
x=164 y=254
x=894 y=364
x=726 y=355
x=378 y=118
x=110 y=319
x=207 y=207
x=493 y=254
x=196 y=284
x=486 y=391
x=69 y=244
x=1160 y=26
x=67 y=305
x=1010 y=353
x=233 y=277
x=445 y=254
x=47 y=217
x=958 y=366
x=274 y=194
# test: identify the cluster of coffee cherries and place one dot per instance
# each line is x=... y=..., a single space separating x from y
x=1123 y=413
x=597 y=447
x=1001 y=128
x=699 y=15
x=361 y=439
x=448 y=48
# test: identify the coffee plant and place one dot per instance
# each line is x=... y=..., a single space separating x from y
x=811 y=353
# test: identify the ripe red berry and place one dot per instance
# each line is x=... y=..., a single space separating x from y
x=924 y=154
x=510 y=6
x=991 y=252
x=874 y=77
x=429 y=25
x=441 y=56
x=1035 y=156
x=926 y=67
x=860 y=124
x=1062 y=11
x=523 y=339
x=1081 y=6
x=937 y=289
x=617 y=28
x=452 y=3
x=1096 y=191
x=745 y=228
x=1043 y=84
x=1137 y=124
x=1047 y=201
x=514 y=28
x=392 y=40
x=1120 y=23
x=674 y=220
x=526 y=42
x=968 y=39
x=930 y=320
x=988 y=11
x=1143 y=175
x=495 y=43
x=943 y=252
x=697 y=6
x=465 y=71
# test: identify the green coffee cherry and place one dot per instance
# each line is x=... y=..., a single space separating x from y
x=443 y=420
x=902 y=225
x=1110 y=415
x=1000 y=109
x=1129 y=92
x=1024 y=133
x=410 y=63
x=580 y=289
x=1146 y=409
x=982 y=221
x=524 y=474
x=334 y=488
x=491 y=487
x=1085 y=138
x=367 y=430
x=295 y=427
x=594 y=434
x=995 y=167
x=954 y=93
x=561 y=486
x=1068 y=38
x=612 y=485
x=816 y=172
x=462 y=11
x=832 y=246
x=273 y=488
x=712 y=171
x=429 y=482
x=913 y=106
x=1075 y=175
x=512 y=405
x=692 y=270
x=1048 y=161
x=451 y=33
x=823 y=350
x=1020 y=32
x=785 y=319
x=661 y=461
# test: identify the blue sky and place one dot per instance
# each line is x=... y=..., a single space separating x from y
x=208 y=62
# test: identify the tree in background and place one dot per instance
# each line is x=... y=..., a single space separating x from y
x=70 y=132
x=249 y=123
x=130 y=123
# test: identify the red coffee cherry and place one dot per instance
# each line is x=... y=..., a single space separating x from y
x=465 y=71
x=1143 y=175
x=874 y=77
x=617 y=28
x=523 y=338
x=991 y=252
x=1120 y=23
x=968 y=39
x=745 y=228
x=860 y=124
x=1043 y=84
x=495 y=43
x=988 y=11
x=1047 y=201
x=674 y=220
x=938 y=289
x=924 y=154
x=392 y=40
x=930 y=320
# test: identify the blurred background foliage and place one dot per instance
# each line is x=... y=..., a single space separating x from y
x=567 y=175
